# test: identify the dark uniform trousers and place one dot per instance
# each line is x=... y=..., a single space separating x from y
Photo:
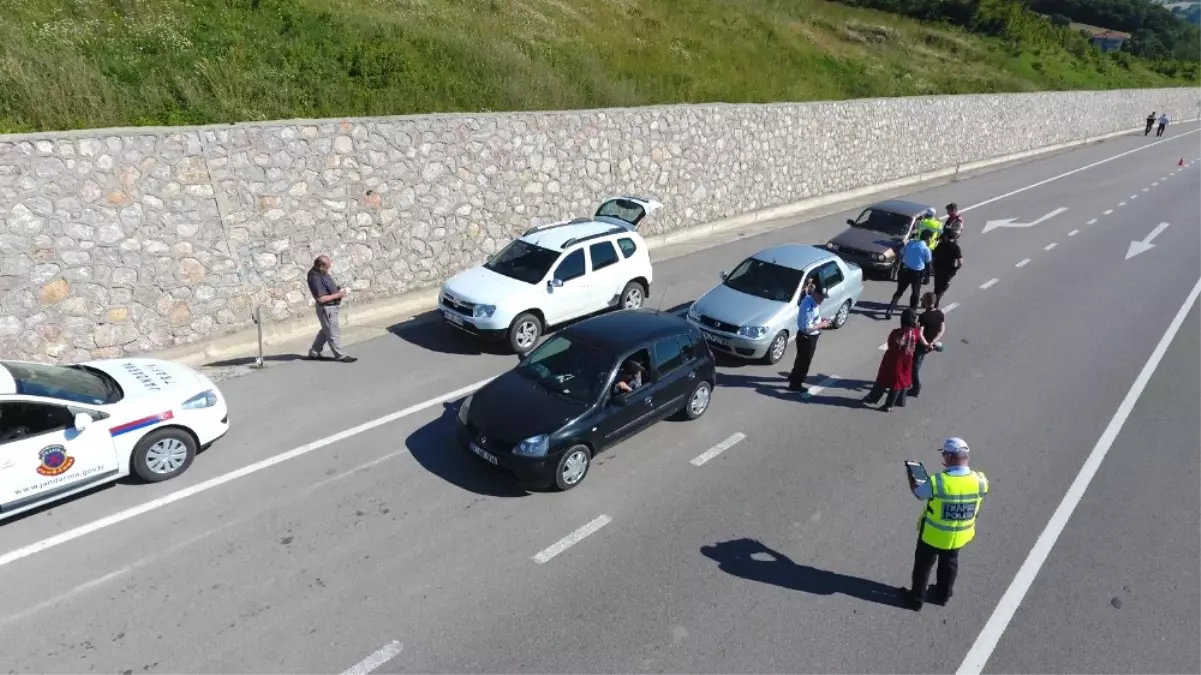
x=806 y=345
x=948 y=567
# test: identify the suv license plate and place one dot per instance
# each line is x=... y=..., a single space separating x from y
x=451 y=317
x=483 y=453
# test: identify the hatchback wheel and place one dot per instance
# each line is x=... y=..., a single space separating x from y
x=775 y=351
x=573 y=467
x=698 y=400
x=633 y=296
x=844 y=313
x=163 y=454
x=524 y=333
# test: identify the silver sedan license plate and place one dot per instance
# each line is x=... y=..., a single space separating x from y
x=716 y=339
x=483 y=453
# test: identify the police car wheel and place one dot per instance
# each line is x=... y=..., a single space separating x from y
x=163 y=454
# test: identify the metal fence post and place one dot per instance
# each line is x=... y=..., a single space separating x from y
x=258 y=322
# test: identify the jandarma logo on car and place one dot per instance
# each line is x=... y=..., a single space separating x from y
x=54 y=460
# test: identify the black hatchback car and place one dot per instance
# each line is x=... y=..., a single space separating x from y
x=544 y=420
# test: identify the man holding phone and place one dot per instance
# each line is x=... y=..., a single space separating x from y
x=953 y=498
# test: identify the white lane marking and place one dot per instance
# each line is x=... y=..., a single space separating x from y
x=351 y=472
x=1134 y=196
x=1091 y=222
x=1073 y=233
x=1050 y=246
x=1073 y=171
x=1121 y=203
x=951 y=306
x=1146 y=189
x=132 y=512
x=1154 y=183
x=1107 y=212
x=821 y=386
x=572 y=539
x=989 y=283
x=986 y=642
x=1023 y=262
x=718 y=449
x=379 y=658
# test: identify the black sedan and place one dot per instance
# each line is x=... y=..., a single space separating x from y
x=586 y=388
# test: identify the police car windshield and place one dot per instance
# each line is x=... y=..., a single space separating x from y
x=571 y=369
x=765 y=280
x=523 y=261
x=886 y=222
x=77 y=384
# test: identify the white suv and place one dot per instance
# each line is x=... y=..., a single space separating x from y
x=554 y=273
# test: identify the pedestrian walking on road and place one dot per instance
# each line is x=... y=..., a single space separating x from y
x=809 y=329
x=328 y=297
x=933 y=324
x=1163 y=124
x=1150 y=123
x=947 y=523
x=914 y=258
x=895 y=375
x=946 y=261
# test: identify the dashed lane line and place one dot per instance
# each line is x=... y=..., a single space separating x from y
x=1073 y=233
x=1108 y=211
x=1023 y=262
x=989 y=283
x=377 y=659
x=950 y=307
x=1092 y=222
x=547 y=554
x=1050 y=246
x=1121 y=203
x=716 y=450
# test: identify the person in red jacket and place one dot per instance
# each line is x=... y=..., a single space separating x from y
x=896 y=367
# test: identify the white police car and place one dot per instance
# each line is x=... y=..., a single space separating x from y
x=65 y=429
x=553 y=274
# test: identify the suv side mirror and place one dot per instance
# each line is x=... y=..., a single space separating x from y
x=82 y=420
x=554 y=283
x=724 y=274
x=851 y=222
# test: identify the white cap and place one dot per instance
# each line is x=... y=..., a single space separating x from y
x=955 y=446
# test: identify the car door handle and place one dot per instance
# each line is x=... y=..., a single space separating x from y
x=692 y=375
x=648 y=401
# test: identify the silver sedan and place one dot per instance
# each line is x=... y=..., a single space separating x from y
x=753 y=313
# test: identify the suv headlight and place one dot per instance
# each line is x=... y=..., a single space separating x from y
x=534 y=446
x=753 y=332
x=483 y=311
x=205 y=399
x=464 y=407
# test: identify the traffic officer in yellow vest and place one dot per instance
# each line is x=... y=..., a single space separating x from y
x=929 y=222
x=953 y=498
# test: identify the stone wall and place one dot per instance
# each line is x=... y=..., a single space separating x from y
x=135 y=240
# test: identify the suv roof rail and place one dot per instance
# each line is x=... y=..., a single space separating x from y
x=598 y=235
x=551 y=226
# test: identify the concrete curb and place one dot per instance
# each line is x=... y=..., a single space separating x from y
x=412 y=305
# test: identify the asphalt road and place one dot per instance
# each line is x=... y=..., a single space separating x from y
x=781 y=554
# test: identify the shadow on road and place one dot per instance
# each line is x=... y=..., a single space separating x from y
x=429 y=331
x=436 y=449
x=250 y=360
x=751 y=560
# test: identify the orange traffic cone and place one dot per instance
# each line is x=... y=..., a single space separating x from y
x=1181 y=162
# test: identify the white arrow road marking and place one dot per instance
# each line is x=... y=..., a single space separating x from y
x=1137 y=247
x=1008 y=222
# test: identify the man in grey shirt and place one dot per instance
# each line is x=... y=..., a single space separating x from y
x=328 y=297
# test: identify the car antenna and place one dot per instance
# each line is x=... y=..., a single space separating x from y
x=659 y=307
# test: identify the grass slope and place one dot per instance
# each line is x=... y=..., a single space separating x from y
x=99 y=63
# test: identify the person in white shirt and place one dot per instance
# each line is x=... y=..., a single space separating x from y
x=809 y=328
x=1163 y=124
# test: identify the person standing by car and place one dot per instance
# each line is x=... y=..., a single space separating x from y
x=947 y=523
x=933 y=324
x=914 y=258
x=327 y=296
x=946 y=261
x=1163 y=124
x=809 y=328
x=1150 y=123
x=896 y=367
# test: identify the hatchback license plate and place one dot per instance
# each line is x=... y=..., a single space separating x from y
x=483 y=453
x=451 y=317
x=717 y=339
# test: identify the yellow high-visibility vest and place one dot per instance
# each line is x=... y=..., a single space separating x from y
x=949 y=519
x=934 y=225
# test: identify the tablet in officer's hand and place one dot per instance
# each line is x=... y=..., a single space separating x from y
x=917 y=472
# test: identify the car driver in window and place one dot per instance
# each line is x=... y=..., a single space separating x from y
x=630 y=377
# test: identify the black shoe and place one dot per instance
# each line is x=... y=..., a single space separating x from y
x=910 y=600
x=913 y=394
x=938 y=597
x=347 y=359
